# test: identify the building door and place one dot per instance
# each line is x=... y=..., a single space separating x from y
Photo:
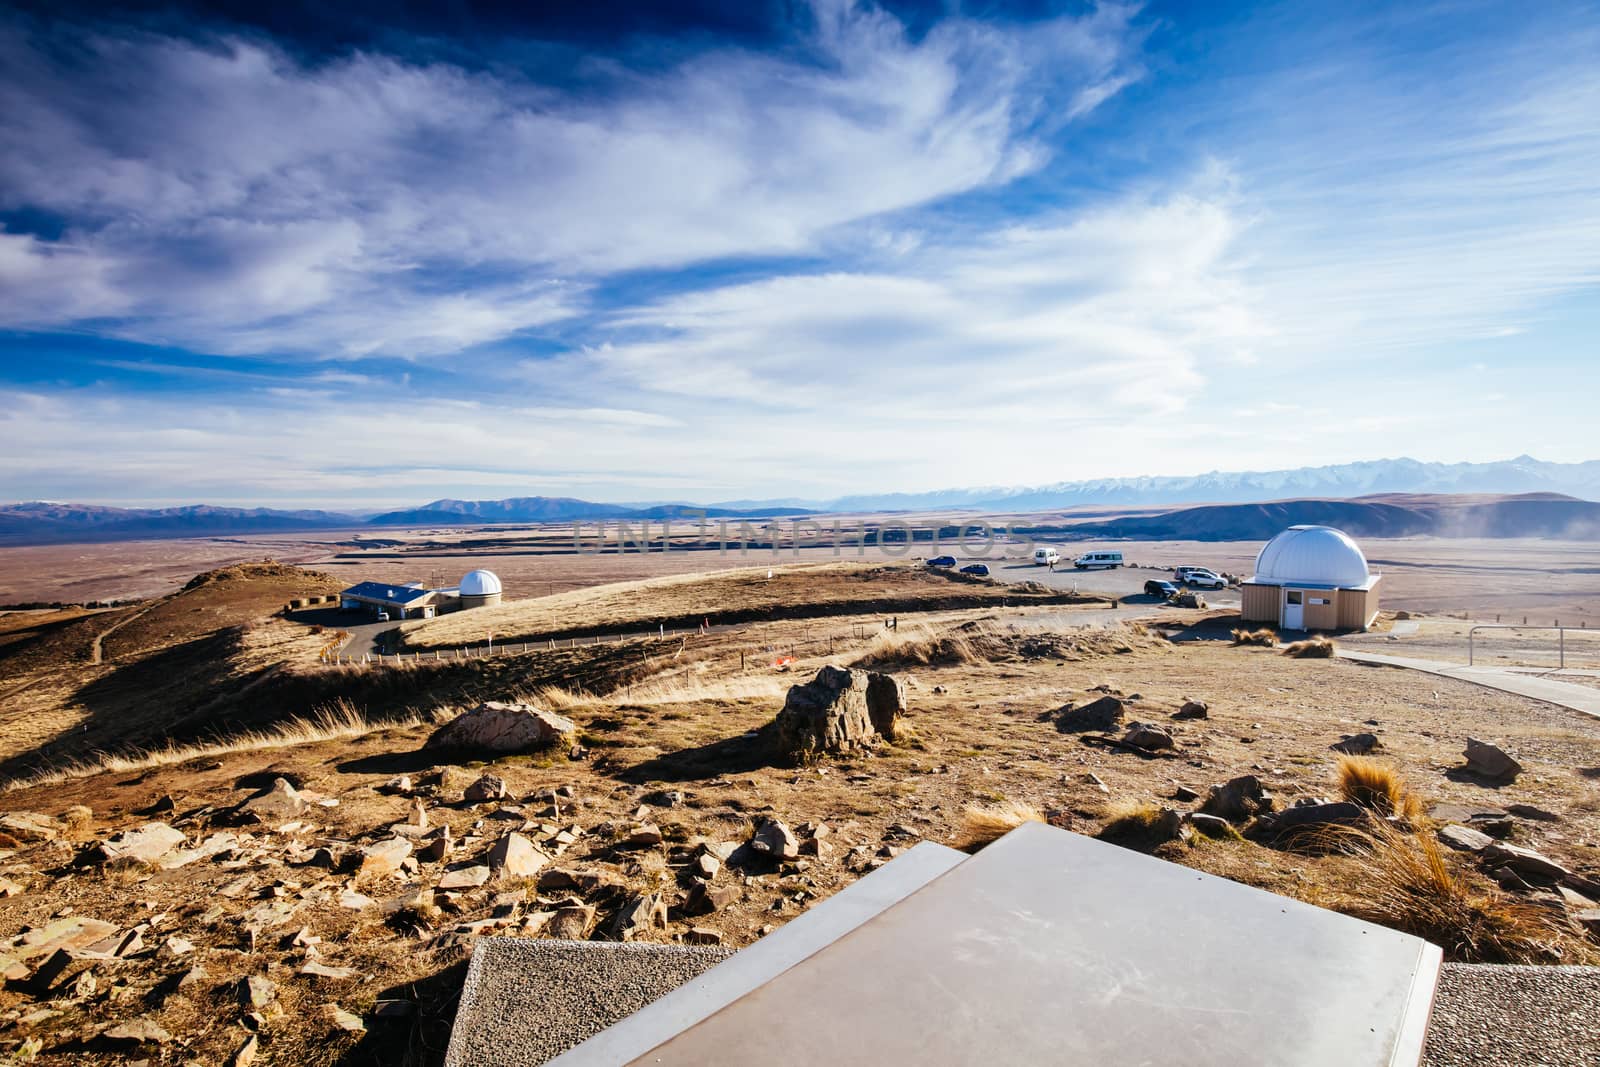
x=1294 y=610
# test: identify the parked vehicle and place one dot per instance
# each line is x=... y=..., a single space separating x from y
x=1046 y=556
x=1090 y=560
x=383 y=616
x=942 y=561
x=1202 y=579
x=1180 y=574
x=980 y=569
x=1157 y=587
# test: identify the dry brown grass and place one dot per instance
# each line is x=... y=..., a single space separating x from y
x=986 y=825
x=1406 y=884
x=676 y=689
x=1265 y=638
x=1379 y=786
x=338 y=721
x=1138 y=824
x=1318 y=647
x=921 y=646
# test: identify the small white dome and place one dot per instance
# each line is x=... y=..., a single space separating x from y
x=480 y=583
x=1317 y=555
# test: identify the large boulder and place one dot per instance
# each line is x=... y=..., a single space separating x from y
x=147 y=844
x=839 y=711
x=1308 y=814
x=1103 y=716
x=1238 y=799
x=1490 y=761
x=497 y=726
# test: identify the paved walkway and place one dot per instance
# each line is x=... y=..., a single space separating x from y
x=1577 y=697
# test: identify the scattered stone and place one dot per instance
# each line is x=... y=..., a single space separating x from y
x=773 y=838
x=1490 y=762
x=1525 y=861
x=1103 y=716
x=1094 y=780
x=1238 y=799
x=144 y=845
x=514 y=856
x=214 y=845
x=246 y=1055
x=1184 y=795
x=139 y=1031
x=704 y=898
x=572 y=922
x=1464 y=838
x=345 y=1021
x=1357 y=744
x=8 y=888
x=465 y=877
x=663 y=798
x=940 y=690
x=702 y=935
x=1214 y=826
x=497 y=726
x=399 y=785
x=1312 y=814
x=639 y=916
x=839 y=711
x=706 y=866
x=321 y=970
x=436 y=847
x=176 y=946
x=1528 y=811
x=1147 y=736
x=488 y=787
x=355 y=901
x=1192 y=709
x=382 y=858
x=282 y=801
x=257 y=991
x=645 y=836
x=31 y=827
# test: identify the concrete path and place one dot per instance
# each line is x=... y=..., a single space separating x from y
x=1564 y=694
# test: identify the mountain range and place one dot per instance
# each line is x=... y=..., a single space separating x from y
x=44 y=522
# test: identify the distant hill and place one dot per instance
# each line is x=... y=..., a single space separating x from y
x=555 y=509
x=1382 y=515
x=45 y=523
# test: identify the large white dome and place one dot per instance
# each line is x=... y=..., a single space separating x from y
x=1316 y=555
x=480 y=583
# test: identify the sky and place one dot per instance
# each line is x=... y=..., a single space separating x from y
x=774 y=248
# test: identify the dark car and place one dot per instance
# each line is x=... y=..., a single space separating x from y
x=1161 y=589
x=980 y=569
x=942 y=561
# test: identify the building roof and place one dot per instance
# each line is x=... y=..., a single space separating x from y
x=480 y=583
x=388 y=594
x=1312 y=555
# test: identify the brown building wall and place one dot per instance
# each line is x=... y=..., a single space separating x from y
x=1357 y=607
x=1322 y=616
x=1260 y=603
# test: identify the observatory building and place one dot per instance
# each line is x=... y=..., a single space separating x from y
x=479 y=589
x=1312 y=578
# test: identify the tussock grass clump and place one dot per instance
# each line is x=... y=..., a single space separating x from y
x=1263 y=637
x=1140 y=824
x=1378 y=786
x=986 y=825
x=1312 y=648
x=922 y=647
x=1407 y=885
x=338 y=721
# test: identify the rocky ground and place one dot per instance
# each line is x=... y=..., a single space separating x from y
x=316 y=903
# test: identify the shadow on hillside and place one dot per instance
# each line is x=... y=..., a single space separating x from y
x=732 y=755
x=1210 y=628
x=412 y=762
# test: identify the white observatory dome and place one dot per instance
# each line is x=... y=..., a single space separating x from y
x=1315 y=555
x=480 y=583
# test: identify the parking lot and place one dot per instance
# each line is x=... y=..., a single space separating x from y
x=1125 y=581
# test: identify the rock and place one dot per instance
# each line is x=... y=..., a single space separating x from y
x=1528 y=811
x=355 y=901
x=31 y=827
x=145 y=845
x=436 y=846
x=1214 y=826
x=214 y=845
x=773 y=838
x=1464 y=839
x=1192 y=709
x=940 y=690
x=1147 y=736
x=1312 y=815
x=644 y=836
x=282 y=801
x=1184 y=795
x=663 y=798
x=1094 y=779
x=496 y=726
x=1525 y=861
x=706 y=866
x=703 y=899
x=1238 y=799
x=345 y=1021
x=8 y=888
x=514 y=856
x=176 y=946
x=323 y=858
x=382 y=858
x=1490 y=761
x=1357 y=744
x=702 y=935
x=257 y=991
x=639 y=916
x=246 y=1054
x=139 y=1031
x=1103 y=716
x=465 y=877
x=572 y=923
x=488 y=787
x=839 y=711
x=314 y=969
x=399 y=785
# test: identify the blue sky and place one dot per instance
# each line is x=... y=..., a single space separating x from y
x=709 y=251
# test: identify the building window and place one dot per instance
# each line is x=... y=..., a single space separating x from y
x=1295 y=597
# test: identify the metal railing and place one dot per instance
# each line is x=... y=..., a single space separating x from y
x=1561 y=632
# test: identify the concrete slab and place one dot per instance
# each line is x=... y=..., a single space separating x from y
x=766 y=959
x=1051 y=947
x=1562 y=694
x=525 y=1001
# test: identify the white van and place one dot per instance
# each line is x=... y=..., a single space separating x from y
x=1044 y=557
x=1098 y=559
